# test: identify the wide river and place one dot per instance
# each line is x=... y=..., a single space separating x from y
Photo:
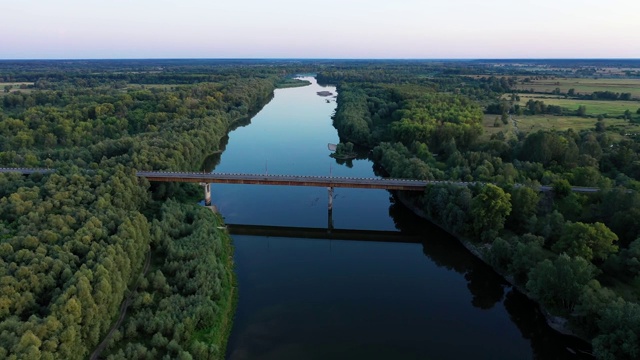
x=302 y=298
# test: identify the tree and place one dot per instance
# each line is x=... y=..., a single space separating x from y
x=619 y=332
x=571 y=92
x=524 y=202
x=590 y=241
x=561 y=188
x=582 y=111
x=560 y=283
x=501 y=254
x=593 y=299
x=489 y=210
x=527 y=252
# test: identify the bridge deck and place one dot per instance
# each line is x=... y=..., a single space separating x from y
x=289 y=180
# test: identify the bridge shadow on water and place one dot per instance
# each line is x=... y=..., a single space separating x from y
x=323 y=233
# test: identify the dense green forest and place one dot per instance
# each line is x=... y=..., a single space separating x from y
x=74 y=243
x=576 y=254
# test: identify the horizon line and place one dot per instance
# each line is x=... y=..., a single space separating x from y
x=328 y=58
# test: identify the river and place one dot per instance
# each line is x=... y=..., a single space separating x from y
x=303 y=298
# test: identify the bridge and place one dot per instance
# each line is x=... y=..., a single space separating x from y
x=287 y=180
x=330 y=182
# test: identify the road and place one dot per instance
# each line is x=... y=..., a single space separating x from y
x=297 y=180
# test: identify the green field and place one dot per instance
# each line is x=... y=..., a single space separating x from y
x=617 y=128
x=489 y=129
x=583 y=85
x=15 y=86
x=612 y=108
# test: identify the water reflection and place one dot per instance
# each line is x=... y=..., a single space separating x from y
x=308 y=298
x=488 y=288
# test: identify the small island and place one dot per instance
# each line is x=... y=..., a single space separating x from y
x=324 y=93
x=292 y=82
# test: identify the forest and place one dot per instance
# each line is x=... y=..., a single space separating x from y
x=575 y=254
x=77 y=244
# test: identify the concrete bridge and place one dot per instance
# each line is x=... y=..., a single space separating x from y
x=330 y=182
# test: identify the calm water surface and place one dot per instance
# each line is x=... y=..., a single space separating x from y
x=336 y=299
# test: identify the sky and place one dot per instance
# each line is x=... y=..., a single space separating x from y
x=89 y=29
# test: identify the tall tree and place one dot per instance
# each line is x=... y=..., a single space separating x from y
x=590 y=241
x=489 y=210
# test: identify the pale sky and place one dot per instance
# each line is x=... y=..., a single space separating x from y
x=71 y=29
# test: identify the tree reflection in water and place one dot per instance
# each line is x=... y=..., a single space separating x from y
x=488 y=288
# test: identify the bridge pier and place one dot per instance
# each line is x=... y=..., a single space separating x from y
x=330 y=214
x=207 y=193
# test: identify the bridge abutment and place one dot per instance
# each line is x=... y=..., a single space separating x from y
x=330 y=198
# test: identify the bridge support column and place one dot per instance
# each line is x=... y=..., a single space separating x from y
x=207 y=193
x=330 y=214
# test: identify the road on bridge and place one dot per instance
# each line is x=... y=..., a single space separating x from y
x=296 y=180
x=287 y=180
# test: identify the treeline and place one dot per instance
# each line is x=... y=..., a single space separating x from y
x=439 y=77
x=573 y=253
x=73 y=242
x=532 y=107
x=603 y=95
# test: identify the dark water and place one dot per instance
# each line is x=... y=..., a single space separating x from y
x=336 y=299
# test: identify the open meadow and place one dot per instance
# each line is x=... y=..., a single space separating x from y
x=14 y=86
x=617 y=128
x=582 y=86
x=609 y=108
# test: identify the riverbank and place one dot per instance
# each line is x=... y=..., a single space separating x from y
x=557 y=323
x=186 y=303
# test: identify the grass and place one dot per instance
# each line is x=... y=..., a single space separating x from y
x=612 y=108
x=534 y=123
x=584 y=85
x=487 y=123
x=15 y=86
x=617 y=128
